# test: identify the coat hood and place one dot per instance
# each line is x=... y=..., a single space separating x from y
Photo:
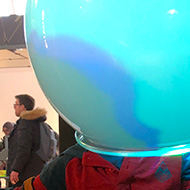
x=33 y=114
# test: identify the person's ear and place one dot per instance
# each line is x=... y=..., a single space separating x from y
x=23 y=107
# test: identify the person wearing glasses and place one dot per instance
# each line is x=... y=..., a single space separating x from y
x=24 y=141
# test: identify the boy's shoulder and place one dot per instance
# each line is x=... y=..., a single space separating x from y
x=56 y=168
x=74 y=151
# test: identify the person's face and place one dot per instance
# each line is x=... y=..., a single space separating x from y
x=18 y=108
x=6 y=131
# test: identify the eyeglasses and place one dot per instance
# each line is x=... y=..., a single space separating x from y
x=14 y=105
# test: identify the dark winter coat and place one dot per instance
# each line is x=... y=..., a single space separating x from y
x=23 y=143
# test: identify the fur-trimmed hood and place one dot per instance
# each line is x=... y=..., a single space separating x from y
x=33 y=114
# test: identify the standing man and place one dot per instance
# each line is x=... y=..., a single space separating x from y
x=23 y=162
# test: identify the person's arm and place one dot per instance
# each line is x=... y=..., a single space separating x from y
x=24 y=146
x=51 y=177
x=14 y=177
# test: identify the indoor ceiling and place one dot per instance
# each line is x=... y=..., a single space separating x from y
x=14 y=58
x=13 y=52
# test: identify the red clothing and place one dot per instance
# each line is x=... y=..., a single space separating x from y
x=79 y=169
x=152 y=173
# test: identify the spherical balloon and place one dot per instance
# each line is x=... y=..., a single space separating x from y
x=117 y=71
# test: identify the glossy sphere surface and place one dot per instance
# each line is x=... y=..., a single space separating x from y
x=117 y=71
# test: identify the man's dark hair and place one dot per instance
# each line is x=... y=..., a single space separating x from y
x=26 y=100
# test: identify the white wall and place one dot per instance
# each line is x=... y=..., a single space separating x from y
x=14 y=81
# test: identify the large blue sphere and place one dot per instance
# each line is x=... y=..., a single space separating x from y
x=117 y=71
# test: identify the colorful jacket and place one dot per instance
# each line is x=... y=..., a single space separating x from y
x=78 y=168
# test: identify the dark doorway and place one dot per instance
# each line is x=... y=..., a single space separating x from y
x=66 y=135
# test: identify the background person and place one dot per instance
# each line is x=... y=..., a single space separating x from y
x=7 y=128
x=23 y=162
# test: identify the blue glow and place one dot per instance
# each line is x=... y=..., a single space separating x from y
x=119 y=71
